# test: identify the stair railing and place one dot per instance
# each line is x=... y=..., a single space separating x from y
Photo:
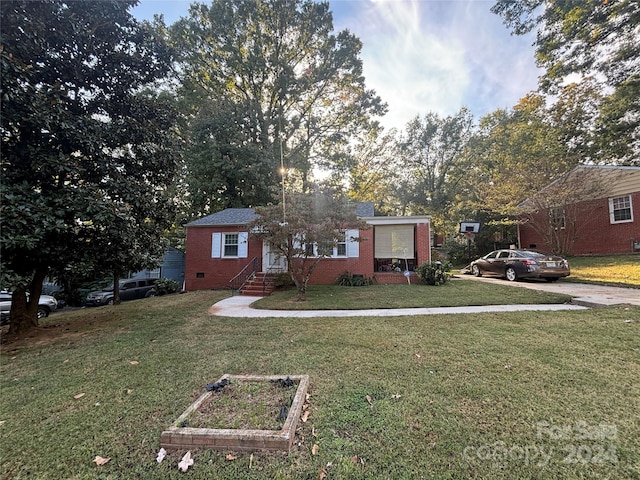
x=246 y=274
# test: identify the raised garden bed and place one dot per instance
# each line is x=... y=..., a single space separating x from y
x=250 y=413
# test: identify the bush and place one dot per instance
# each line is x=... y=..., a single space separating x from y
x=165 y=286
x=346 y=279
x=283 y=280
x=434 y=273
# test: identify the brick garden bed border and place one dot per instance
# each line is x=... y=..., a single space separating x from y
x=188 y=438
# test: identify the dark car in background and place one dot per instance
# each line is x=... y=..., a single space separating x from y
x=46 y=305
x=130 y=289
x=518 y=264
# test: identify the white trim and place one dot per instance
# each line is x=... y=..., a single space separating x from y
x=412 y=220
x=612 y=219
x=216 y=242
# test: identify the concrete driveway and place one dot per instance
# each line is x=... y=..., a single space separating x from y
x=582 y=293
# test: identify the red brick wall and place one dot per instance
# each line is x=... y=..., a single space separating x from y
x=596 y=235
x=218 y=271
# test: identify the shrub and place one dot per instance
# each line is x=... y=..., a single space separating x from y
x=283 y=280
x=347 y=279
x=434 y=273
x=165 y=286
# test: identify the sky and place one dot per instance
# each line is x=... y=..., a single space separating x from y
x=424 y=56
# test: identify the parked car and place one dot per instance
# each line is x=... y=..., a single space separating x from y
x=130 y=289
x=518 y=264
x=46 y=305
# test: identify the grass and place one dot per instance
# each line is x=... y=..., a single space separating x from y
x=452 y=294
x=453 y=397
x=609 y=270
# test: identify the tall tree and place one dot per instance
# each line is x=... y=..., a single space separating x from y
x=292 y=89
x=589 y=38
x=88 y=148
x=429 y=151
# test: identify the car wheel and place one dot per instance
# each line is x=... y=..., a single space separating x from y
x=150 y=293
x=551 y=279
x=511 y=274
x=109 y=302
x=42 y=313
x=476 y=270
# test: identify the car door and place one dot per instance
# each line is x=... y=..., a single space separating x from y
x=128 y=291
x=486 y=262
x=499 y=265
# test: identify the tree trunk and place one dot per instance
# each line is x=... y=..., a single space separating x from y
x=116 y=288
x=24 y=312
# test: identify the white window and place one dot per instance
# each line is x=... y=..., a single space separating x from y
x=346 y=247
x=620 y=209
x=229 y=245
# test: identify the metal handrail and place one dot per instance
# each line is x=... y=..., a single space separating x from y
x=248 y=272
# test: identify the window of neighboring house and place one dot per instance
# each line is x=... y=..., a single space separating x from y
x=620 y=209
x=557 y=217
x=230 y=244
x=154 y=273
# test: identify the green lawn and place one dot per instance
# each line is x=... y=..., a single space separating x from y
x=463 y=396
x=611 y=270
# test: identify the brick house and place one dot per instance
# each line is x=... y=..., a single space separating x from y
x=219 y=247
x=591 y=210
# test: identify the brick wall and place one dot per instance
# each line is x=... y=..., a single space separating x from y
x=216 y=272
x=595 y=234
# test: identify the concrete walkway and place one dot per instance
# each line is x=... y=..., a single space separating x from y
x=584 y=295
x=240 y=306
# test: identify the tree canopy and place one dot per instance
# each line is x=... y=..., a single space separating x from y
x=88 y=143
x=265 y=83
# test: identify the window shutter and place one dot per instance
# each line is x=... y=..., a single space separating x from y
x=353 y=245
x=216 y=242
x=612 y=218
x=243 y=244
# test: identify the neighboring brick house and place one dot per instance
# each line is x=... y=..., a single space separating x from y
x=591 y=210
x=219 y=246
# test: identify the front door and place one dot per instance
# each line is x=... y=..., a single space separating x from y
x=272 y=262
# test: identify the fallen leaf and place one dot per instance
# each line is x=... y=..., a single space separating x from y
x=396 y=395
x=129 y=391
x=79 y=395
x=307 y=396
x=305 y=406
x=354 y=459
x=186 y=462
x=508 y=367
x=161 y=454
x=100 y=460
x=315 y=449
x=323 y=474
x=250 y=461
x=230 y=457
x=134 y=362
x=66 y=361
x=313 y=431
x=418 y=355
x=370 y=402
x=305 y=416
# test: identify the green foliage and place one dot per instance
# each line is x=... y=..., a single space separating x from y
x=348 y=279
x=88 y=149
x=589 y=38
x=305 y=230
x=283 y=280
x=434 y=273
x=165 y=286
x=259 y=79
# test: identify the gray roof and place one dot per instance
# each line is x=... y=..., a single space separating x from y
x=229 y=216
x=244 y=216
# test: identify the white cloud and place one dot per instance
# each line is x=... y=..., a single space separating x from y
x=437 y=56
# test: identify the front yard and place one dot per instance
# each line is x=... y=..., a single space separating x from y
x=541 y=395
